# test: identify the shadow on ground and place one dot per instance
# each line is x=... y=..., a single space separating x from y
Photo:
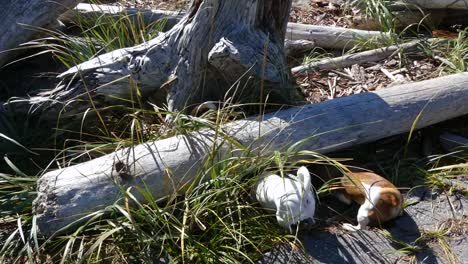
x=425 y=214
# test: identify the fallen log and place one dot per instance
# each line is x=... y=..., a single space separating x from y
x=15 y=15
x=68 y=194
x=92 y=13
x=439 y=4
x=294 y=48
x=323 y=36
x=331 y=37
x=356 y=58
x=301 y=3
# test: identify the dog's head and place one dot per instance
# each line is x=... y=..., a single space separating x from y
x=298 y=202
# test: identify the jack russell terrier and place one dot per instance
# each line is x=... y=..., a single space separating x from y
x=380 y=200
x=292 y=197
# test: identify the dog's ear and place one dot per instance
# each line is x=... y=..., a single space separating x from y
x=304 y=176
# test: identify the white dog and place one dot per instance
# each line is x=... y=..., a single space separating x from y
x=292 y=197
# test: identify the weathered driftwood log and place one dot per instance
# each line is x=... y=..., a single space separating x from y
x=164 y=166
x=301 y=3
x=431 y=13
x=92 y=13
x=403 y=18
x=211 y=48
x=440 y=4
x=356 y=58
x=331 y=37
x=325 y=37
x=297 y=47
x=15 y=14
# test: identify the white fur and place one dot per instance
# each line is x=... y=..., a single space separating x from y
x=372 y=197
x=293 y=199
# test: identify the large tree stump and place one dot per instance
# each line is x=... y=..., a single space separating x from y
x=164 y=166
x=199 y=59
x=15 y=14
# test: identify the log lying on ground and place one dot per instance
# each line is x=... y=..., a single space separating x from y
x=92 y=12
x=301 y=3
x=15 y=14
x=331 y=37
x=356 y=58
x=323 y=36
x=164 y=166
x=432 y=13
x=440 y=4
x=297 y=47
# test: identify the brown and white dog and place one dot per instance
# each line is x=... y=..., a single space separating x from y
x=380 y=200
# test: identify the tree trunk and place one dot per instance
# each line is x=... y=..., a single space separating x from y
x=65 y=195
x=199 y=59
x=15 y=14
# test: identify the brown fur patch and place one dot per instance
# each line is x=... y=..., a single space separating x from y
x=390 y=197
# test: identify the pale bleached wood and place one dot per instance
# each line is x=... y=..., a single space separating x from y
x=331 y=37
x=356 y=58
x=214 y=45
x=93 y=12
x=298 y=47
x=176 y=61
x=163 y=166
x=440 y=4
x=323 y=36
x=15 y=14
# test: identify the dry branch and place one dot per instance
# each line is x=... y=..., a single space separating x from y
x=164 y=166
x=356 y=58
x=297 y=47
